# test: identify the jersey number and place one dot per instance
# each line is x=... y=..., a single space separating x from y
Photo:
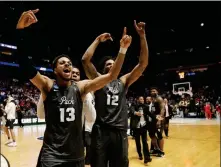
x=71 y=116
x=112 y=100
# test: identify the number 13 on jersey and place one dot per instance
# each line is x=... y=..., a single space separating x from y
x=70 y=117
x=112 y=100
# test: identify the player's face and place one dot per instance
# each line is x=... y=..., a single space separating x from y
x=148 y=100
x=108 y=65
x=76 y=74
x=141 y=100
x=64 y=69
x=165 y=101
x=153 y=92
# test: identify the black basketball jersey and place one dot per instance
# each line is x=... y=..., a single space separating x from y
x=155 y=107
x=63 y=135
x=110 y=105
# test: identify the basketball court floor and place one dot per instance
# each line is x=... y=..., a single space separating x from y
x=191 y=143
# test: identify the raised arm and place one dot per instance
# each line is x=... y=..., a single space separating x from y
x=28 y=70
x=89 y=68
x=131 y=77
x=99 y=82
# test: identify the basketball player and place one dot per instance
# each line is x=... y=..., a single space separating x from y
x=157 y=108
x=109 y=133
x=89 y=114
x=63 y=143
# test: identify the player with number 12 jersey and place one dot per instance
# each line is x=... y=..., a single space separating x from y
x=109 y=143
x=110 y=104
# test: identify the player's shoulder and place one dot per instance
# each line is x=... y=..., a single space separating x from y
x=159 y=98
x=83 y=82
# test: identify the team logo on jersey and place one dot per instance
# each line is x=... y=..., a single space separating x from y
x=113 y=88
x=64 y=100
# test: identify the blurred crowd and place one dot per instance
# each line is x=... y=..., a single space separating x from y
x=204 y=102
x=25 y=95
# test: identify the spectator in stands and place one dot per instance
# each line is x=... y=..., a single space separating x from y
x=207 y=109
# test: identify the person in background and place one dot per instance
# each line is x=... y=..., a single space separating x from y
x=207 y=109
x=140 y=121
x=218 y=110
x=19 y=115
x=168 y=116
x=10 y=110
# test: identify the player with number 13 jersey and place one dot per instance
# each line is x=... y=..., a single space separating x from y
x=63 y=131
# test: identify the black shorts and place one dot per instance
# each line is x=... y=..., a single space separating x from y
x=60 y=164
x=9 y=123
x=153 y=130
x=109 y=145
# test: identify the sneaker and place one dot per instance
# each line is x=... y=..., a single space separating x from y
x=153 y=152
x=8 y=142
x=13 y=144
x=160 y=153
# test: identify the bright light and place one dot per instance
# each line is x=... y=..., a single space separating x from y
x=181 y=75
x=202 y=24
x=42 y=69
x=207 y=47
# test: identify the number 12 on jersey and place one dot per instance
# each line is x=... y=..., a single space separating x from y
x=71 y=115
x=112 y=100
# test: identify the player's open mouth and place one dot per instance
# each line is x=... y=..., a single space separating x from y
x=67 y=71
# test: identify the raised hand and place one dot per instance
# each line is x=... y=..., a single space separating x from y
x=140 y=28
x=104 y=37
x=125 y=40
x=27 y=18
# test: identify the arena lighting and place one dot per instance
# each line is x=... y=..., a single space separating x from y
x=202 y=24
x=17 y=65
x=42 y=69
x=181 y=75
x=8 y=46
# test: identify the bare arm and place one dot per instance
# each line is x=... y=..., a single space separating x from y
x=28 y=70
x=162 y=106
x=40 y=108
x=87 y=86
x=89 y=68
x=103 y=80
x=131 y=77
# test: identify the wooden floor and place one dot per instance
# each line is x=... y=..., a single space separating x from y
x=188 y=146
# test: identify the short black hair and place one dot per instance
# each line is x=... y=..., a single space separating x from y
x=103 y=61
x=54 y=63
x=154 y=88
